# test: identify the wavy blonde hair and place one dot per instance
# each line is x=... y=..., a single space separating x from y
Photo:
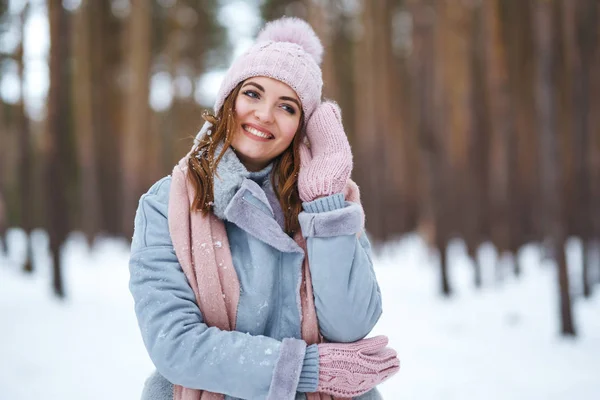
x=203 y=163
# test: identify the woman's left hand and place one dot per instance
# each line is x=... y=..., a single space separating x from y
x=326 y=165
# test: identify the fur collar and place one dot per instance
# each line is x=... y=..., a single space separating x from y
x=229 y=177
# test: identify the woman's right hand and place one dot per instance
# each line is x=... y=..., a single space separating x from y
x=352 y=369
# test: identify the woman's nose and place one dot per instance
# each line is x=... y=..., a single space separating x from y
x=264 y=113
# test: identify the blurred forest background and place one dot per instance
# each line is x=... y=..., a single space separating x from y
x=470 y=119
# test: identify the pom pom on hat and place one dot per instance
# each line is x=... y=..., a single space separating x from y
x=293 y=30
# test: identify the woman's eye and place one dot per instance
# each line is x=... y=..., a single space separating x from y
x=252 y=94
x=289 y=109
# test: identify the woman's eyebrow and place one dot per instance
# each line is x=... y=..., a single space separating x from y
x=262 y=89
x=291 y=99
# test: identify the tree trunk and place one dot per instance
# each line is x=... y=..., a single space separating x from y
x=83 y=122
x=25 y=160
x=515 y=16
x=57 y=139
x=477 y=229
x=501 y=125
x=477 y=277
x=365 y=121
x=550 y=173
x=136 y=126
x=566 y=310
x=584 y=24
x=594 y=147
x=107 y=105
x=425 y=75
x=445 y=280
x=3 y=224
x=593 y=255
x=4 y=132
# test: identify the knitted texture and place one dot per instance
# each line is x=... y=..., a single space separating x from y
x=326 y=165
x=287 y=50
x=352 y=369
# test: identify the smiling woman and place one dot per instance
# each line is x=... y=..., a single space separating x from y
x=252 y=253
x=268 y=116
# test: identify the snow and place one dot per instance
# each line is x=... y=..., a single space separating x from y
x=500 y=342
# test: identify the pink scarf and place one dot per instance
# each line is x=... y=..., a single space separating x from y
x=201 y=245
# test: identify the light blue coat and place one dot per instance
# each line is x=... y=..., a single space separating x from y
x=265 y=357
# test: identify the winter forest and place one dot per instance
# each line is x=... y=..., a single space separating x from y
x=475 y=131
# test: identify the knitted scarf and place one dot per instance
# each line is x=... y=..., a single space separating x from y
x=201 y=244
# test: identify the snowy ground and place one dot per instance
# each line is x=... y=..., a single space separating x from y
x=497 y=343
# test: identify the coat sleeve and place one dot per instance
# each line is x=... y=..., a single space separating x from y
x=347 y=295
x=182 y=347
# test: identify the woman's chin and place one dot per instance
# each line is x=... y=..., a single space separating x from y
x=252 y=161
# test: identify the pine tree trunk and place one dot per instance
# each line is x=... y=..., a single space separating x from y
x=594 y=147
x=426 y=78
x=479 y=144
x=477 y=277
x=585 y=21
x=107 y=112
x=368 y=128
x=566 y=310
x=498 y=97
x=3 y=223
x=57 y=143
x=515 y=16
x=445 y=279
x=4 y=132
x=549 y=167
x=83 y=122
x=25 y=160
x=135 y=137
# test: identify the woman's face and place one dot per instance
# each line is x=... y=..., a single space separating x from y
x=267 y=113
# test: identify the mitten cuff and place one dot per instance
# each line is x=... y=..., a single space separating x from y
x=324 y=204
x=342 y=221
x=309 y=377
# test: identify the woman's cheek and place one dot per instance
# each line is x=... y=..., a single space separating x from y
x=241 y=107
x=291 y=128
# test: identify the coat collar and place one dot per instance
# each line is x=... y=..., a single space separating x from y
x=247 y=199
x=229 y=177
x=250 y=210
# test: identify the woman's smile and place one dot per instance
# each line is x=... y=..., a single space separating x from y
x=257 y=133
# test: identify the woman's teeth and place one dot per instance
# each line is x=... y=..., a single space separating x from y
x=256 y=132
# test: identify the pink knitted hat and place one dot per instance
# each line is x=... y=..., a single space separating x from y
x=288 y=50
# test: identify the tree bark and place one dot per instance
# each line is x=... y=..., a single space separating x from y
x=594 y=147
x=57 y=143
x=366 y=121
x=136 y=123
x=585 y=35
x=107 y=106
x=83 y=118
x=3 y=223
x=426 y=78
x=545 y=16
x=501 y=133
x=25 y=170
x=477 y=229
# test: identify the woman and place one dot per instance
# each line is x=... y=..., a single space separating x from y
x=251 y=241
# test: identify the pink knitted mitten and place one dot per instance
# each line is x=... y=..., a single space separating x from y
x=351 y=369
x=326 y=165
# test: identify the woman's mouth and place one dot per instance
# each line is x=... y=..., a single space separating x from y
x=257 y=134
